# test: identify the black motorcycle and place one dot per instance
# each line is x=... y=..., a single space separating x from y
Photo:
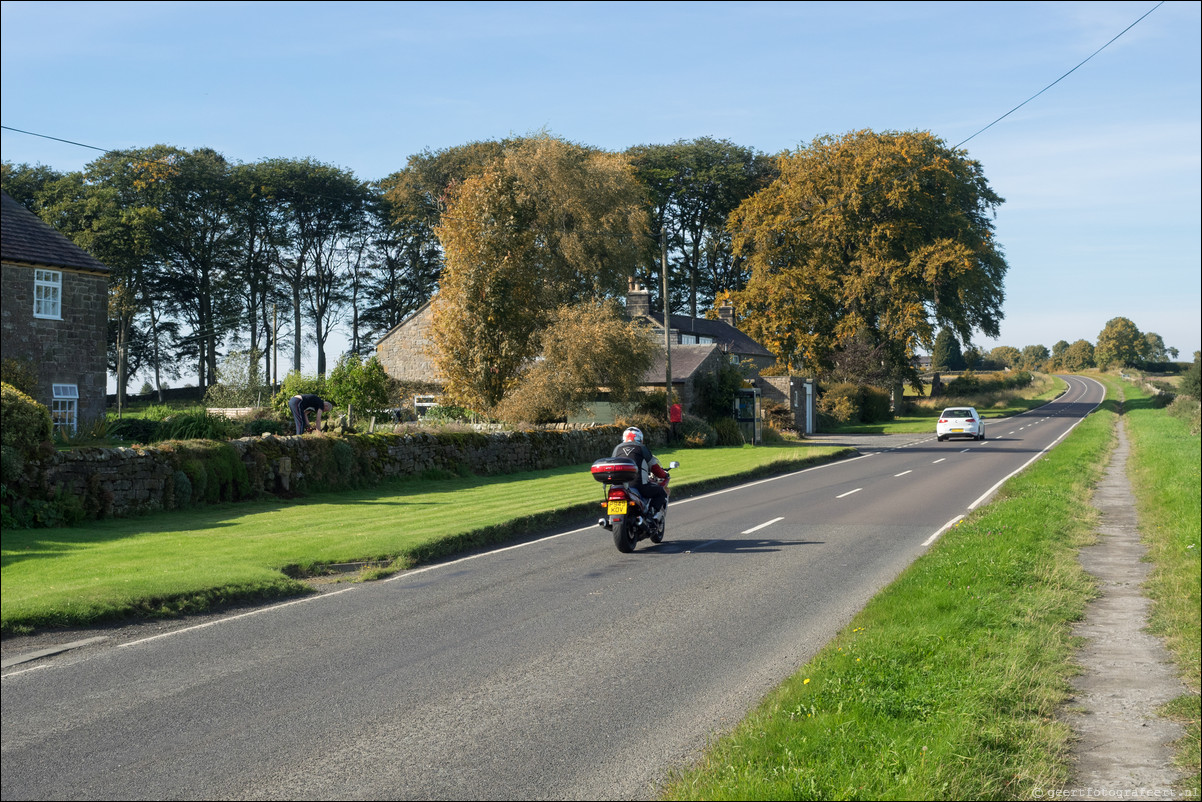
x=627 y=513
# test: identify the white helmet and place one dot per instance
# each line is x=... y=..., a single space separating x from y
x=632 y=435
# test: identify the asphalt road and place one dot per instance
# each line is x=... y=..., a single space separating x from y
x=553 y=669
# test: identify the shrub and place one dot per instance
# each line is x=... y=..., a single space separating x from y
x=696 y=433
x=24 y=423
x=1188 y=411
x=296 y=384
x=200 y=425
x=137 y=430
x=20 y=373
x=728 y=431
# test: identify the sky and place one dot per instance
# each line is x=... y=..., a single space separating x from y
x=1100 y=173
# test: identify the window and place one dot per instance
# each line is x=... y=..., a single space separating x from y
x=688 y=339
x=47 y=294
x=64 y=411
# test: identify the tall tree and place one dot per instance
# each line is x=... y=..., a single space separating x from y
x=1035 y=357
x=323 y=207
x=885 y=234
x=693 y=187
x=1120 y=343
x=400 y=275
x=549 y=224
x=946 y=354
x=1079 y=356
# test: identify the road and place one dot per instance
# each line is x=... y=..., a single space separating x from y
x=552 y=669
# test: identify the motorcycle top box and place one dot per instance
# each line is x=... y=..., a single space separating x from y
x=615 y=471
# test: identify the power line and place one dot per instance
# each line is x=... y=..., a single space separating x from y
x=1062 y=77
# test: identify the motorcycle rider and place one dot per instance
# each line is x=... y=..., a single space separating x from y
x=633 y=449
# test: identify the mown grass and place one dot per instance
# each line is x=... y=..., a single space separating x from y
x=924 y=412
x=189 y=561
x=1164 y=466
x=946 y=686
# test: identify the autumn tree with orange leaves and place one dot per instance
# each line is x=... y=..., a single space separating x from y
x=877 y=238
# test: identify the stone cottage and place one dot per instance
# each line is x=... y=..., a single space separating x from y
x=53 y=315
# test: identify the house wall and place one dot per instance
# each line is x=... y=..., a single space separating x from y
x=66 y=351
x=403 y=351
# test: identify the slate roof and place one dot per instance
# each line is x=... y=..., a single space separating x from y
x=686 y=359
x=719 y=331
x=24 y=238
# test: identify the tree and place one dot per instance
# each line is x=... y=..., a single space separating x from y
x=1058 y=351
x=549 y=224
x=1079 y=356
x=1119 y=343
x=1006 y=356
x=694 y=186
x=1154 y=348
x=1035 y=357
x=887 y=235
x=25 y=184
x=322 y=207
x=585 y=347
x=946 y=354
x=1191 y=381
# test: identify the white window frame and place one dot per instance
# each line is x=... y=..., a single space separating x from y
x=688 y=339
x=47 y=294
x=65 y=407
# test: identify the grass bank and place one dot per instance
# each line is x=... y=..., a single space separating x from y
x=191 y=561
x=946 y=685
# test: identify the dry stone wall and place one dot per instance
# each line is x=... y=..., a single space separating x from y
x=120 y=482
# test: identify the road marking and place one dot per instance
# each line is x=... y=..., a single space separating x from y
x=943 y=529
x=941 y=459
x=849 y=492
x=761 y=526
x=903 y=473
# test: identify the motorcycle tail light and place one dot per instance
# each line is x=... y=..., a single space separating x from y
x=617 y=494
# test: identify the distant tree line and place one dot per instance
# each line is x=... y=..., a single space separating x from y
x=1119 y=344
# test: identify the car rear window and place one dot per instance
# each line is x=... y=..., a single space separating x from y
x=957 y=413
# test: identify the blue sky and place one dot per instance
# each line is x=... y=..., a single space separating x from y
x=1101 y=173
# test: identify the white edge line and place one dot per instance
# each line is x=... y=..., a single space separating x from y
x=761 y=526
x=272 y=608
x=1045 y=450
x=942 y=529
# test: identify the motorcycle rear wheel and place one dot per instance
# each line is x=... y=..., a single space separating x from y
x=623 y=536
x=657 y=535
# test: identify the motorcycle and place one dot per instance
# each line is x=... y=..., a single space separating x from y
x=627 y=513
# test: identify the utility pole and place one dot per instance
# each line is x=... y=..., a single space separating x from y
x=663 y=260
x=275 y=359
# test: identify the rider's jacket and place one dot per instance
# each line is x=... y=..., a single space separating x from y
x=640 y=455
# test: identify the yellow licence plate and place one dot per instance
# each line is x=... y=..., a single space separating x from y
x=617 y=508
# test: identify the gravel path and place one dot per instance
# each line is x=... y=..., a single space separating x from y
x=1123 y=749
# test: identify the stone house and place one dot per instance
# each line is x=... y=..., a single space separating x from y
x=54 y=315
x=698 y=345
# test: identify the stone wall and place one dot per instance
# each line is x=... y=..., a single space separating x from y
x=120 y=482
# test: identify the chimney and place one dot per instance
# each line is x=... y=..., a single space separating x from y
x=638 y=300
x=726 y=313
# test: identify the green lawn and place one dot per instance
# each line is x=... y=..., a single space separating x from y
x=190 y=560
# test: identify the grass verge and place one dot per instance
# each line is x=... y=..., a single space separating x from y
x=196 y=560
x=946 y=685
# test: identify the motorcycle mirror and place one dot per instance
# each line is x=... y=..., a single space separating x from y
x=673 y=464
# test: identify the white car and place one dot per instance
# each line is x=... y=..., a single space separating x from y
x=960 y=422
